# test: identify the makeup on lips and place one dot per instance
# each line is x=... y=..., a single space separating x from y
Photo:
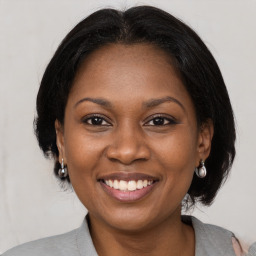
x=128 y=187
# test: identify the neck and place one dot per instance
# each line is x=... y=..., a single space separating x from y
x=171 y=237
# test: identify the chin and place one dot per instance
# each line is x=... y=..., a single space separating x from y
x=131 y=223
x=132 y=220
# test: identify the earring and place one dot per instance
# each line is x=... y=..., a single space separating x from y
x=201 y=170
x=63 y=171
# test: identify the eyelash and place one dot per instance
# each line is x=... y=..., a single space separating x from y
x=166 y=120
x=91 y=117
x=169 y=120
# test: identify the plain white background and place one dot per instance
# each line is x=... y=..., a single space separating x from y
x=32 y=204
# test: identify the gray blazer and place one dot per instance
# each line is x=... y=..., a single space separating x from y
x=210 y=241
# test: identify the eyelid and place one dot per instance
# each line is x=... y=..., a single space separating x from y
x=171 y=119
x=90 y=116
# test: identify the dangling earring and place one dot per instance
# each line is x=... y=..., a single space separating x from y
x=63 y=171
x=201 y=170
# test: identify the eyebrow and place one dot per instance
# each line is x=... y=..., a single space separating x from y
x=148 y=104
x=99 y=101
x=156 y=102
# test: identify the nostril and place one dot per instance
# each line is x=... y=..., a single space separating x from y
x=126 y=156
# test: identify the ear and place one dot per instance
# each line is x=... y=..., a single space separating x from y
x=205 y=140
x=60 y=140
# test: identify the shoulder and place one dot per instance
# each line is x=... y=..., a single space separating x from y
x=252 y=250
x=74 y=243
x=60 y=245
x=211 y=230
x=215 y=240
x=211 y=239
x=207 y=231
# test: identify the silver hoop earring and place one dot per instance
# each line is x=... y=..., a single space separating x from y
x=201 y=170
x=63 y=171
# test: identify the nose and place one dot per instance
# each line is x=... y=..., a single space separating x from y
x=128 y=145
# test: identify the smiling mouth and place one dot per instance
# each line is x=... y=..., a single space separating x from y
x=128 y=186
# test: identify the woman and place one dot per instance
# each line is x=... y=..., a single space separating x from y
x=135 y=112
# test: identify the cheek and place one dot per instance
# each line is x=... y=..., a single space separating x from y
x=82 y=152
x=83 y=155
x=177 y=156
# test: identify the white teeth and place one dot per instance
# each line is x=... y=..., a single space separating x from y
x=130 y=185
x=116 y=184
x=139 y=184
x=123 y=185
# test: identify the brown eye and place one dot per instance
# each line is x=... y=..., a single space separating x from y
x=96 y=120
x=160 y=121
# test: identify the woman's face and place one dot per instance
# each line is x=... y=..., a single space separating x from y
x=130 y=137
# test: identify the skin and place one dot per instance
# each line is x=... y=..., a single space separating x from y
x=128 y=140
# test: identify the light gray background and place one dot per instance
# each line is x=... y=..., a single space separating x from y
x=32 y=205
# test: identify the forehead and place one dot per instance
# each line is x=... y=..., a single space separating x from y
x=136 y=53
x=126 y=73
x=120 y=61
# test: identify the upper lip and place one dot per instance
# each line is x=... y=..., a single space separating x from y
x=128 y=176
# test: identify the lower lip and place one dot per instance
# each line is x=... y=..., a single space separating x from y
x=128 y=196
